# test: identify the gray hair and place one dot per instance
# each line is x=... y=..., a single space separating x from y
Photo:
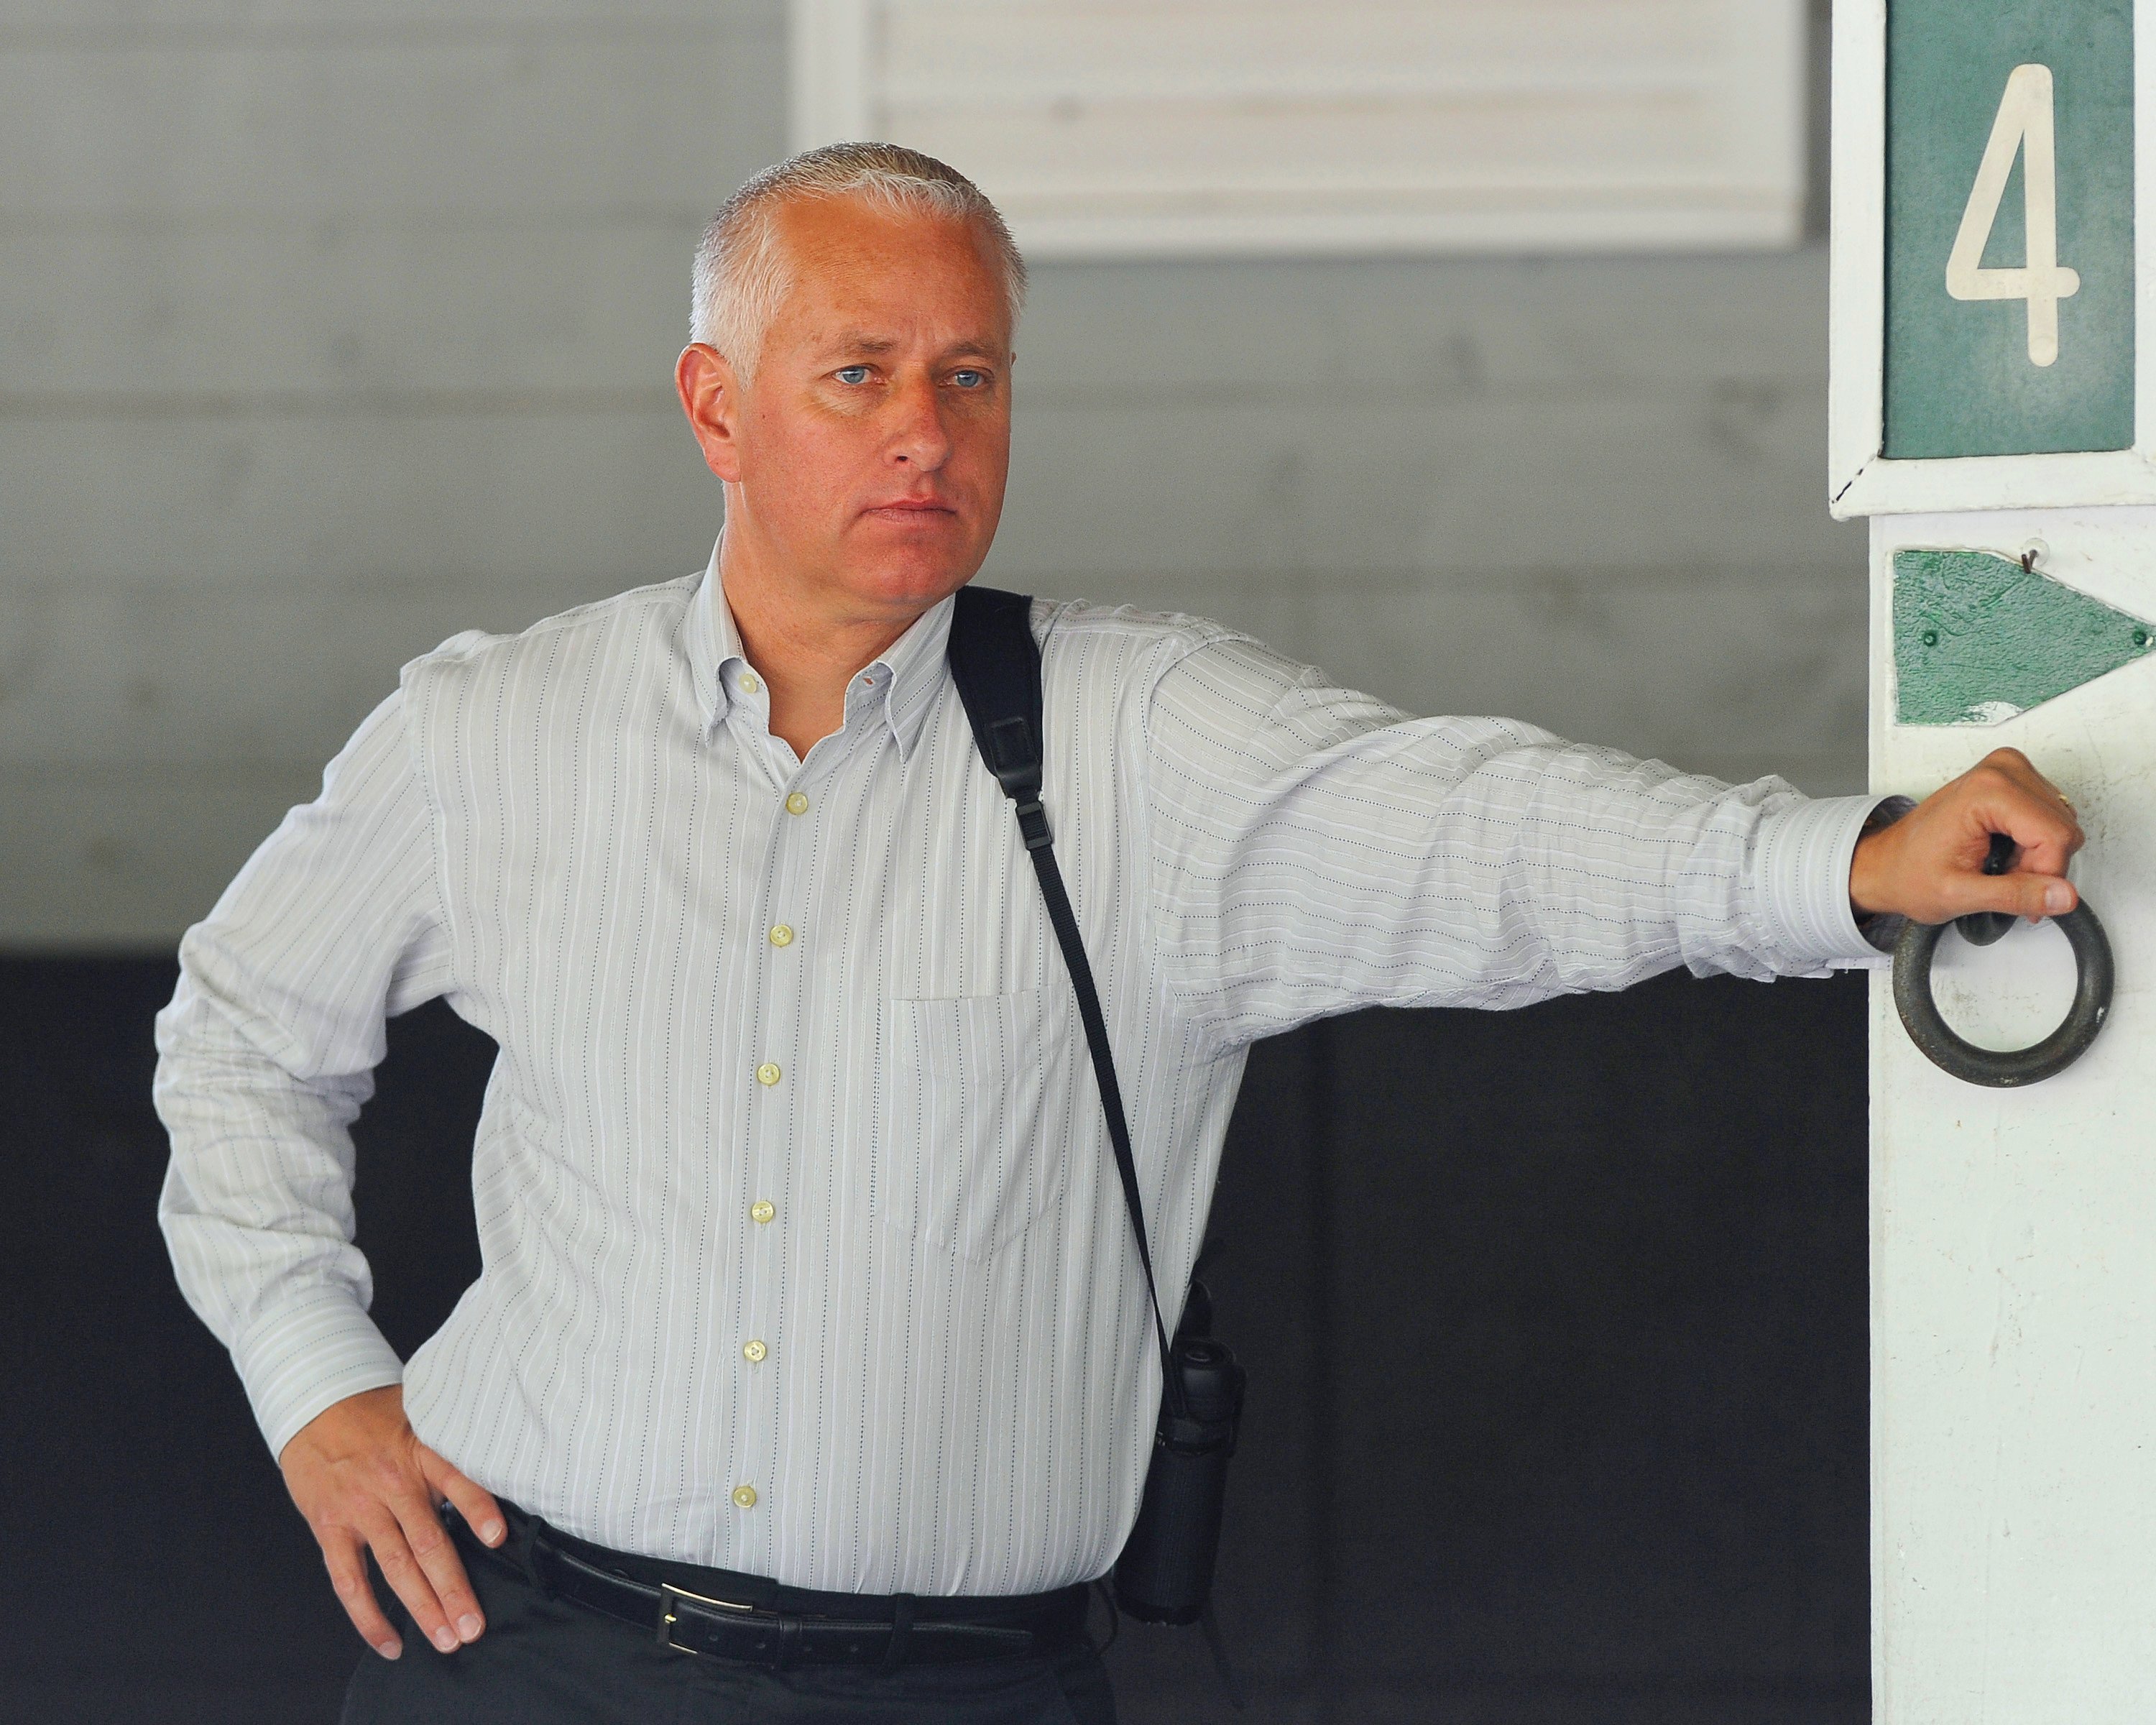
x=741 y=272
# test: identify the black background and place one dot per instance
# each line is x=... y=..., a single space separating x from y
x=1555 y=1321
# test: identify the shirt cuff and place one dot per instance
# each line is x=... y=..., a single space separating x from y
x=1804 y=852
x=308 y=1355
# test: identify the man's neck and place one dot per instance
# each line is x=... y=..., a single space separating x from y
x=806 y=655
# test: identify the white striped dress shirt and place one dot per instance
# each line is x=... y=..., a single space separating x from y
x=804 y=1248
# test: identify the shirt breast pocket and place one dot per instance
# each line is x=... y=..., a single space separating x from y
x=971 y=1120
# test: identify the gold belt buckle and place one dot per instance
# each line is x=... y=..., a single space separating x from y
x=669 y=1595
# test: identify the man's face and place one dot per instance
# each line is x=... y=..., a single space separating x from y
x=869 y=450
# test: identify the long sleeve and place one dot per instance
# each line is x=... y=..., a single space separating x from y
x=1313 y=850
x=266 y=1055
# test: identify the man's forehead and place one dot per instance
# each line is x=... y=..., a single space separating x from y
x=877 y=279
x=873 y=319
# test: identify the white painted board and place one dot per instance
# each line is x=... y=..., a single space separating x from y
x=1190 y=127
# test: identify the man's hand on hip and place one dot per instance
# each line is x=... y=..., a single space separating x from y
x=1929 y=865
x=363 y=1480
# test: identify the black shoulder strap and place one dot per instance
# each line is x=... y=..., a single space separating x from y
x=995 y=664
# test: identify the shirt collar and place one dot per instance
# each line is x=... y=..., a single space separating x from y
x=708 y=637
x=904 y=677
x=915 y=668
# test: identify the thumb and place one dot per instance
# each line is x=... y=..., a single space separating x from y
x=2022 y=893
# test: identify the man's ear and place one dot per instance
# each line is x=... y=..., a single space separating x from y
x=711 y=396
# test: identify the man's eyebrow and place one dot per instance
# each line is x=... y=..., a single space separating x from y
x=860 y=342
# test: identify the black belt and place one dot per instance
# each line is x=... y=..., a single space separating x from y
x=750 y=1618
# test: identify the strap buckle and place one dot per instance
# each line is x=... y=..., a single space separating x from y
x=1033 y=823
x=670 y=1596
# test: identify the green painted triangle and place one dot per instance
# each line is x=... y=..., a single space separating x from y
x=1978 y=639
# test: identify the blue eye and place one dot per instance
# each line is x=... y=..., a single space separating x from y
x=969 y=379
x=852 y=374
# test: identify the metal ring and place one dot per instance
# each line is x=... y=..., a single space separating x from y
x=2002 y=1069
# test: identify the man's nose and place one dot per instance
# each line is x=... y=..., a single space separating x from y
x=918 y=438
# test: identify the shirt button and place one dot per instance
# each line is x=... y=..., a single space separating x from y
x=767 y=1074
x=782 y=936
x=754 y=1352
x=797 y=804
x=762 y=1211
x=744 y=1497
x=749 y=684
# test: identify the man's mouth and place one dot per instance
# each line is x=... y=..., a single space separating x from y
x=911 y=509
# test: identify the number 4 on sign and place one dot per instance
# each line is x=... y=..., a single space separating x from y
x=2024 y=123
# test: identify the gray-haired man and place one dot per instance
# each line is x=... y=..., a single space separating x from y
x=809 y=1311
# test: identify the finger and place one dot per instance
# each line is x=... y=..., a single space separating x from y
x=347 y=1561
x=401 y=1569
x=436 y=1554
x=2043 y=847
x=2023 y=893
x=2045 y=836
x=471 y=1501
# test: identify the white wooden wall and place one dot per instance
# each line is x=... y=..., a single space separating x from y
x=328 y=327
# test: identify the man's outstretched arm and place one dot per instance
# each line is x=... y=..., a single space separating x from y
x=1314 y=850
x=266 y=1055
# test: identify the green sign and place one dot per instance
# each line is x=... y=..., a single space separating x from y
x=1978 y=639
x=2010 y=227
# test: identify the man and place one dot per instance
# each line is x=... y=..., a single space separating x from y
x=809 y=1293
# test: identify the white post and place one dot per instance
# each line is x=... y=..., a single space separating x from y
x=2013 y=1231
x=1990 y=365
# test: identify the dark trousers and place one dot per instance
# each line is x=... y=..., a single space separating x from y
x=546 y=1661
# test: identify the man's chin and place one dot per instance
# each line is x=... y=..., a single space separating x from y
x=912 y=577
x=914 y=588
